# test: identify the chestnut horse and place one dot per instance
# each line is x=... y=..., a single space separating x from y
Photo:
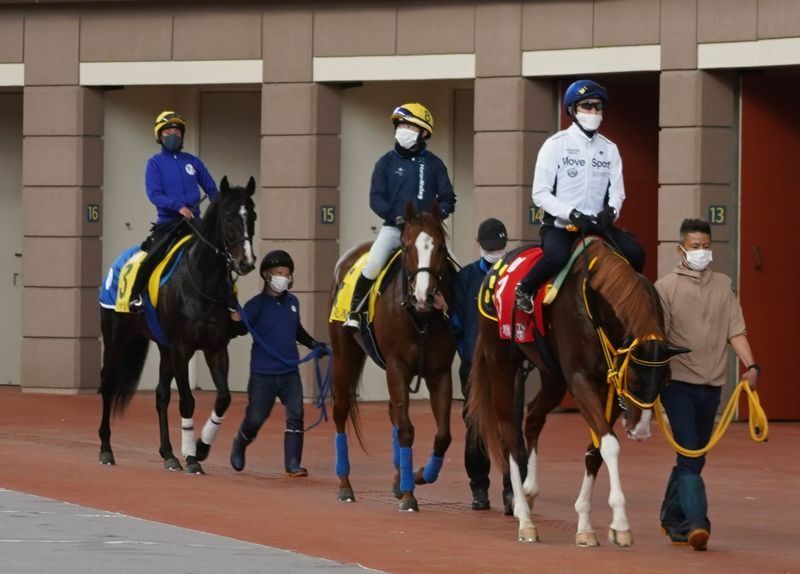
x=602 y=322
x=413 y=337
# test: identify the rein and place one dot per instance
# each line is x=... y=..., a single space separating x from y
x=617 y=359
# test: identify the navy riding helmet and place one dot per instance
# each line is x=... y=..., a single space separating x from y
x=583 y=90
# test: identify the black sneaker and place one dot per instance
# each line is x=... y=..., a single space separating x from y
x=524 y=300
x=480 y=500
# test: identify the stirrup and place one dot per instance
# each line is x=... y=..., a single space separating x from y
x=136 y=305
x=353 y=322
x=523 y=300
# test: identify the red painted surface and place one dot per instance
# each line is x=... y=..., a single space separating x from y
x=49 y=448
x=769 y=273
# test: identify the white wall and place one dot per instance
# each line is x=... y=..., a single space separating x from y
x=10 y=236
x=367 y=133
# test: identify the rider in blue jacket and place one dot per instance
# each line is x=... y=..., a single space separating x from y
x=407 y=173
x=171 y=178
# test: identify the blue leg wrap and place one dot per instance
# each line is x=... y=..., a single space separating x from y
x=342 y=458
x=395 y=448
x=406 y=470
x=431 y=471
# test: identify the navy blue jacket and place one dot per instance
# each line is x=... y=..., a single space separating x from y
x=171 y=181
x=419 y=178
x=464 y=318
x=277 y=322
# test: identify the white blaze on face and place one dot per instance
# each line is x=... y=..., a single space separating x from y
x=424 y=245
x=248 y=245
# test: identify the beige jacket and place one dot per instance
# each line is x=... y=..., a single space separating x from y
x=701 y=312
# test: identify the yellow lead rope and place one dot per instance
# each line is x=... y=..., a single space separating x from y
x=759 y=426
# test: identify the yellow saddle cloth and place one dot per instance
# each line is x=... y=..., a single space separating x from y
x=129 y=271
x=344 y=295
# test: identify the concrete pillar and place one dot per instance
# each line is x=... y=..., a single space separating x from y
x=513 y=117
x=697 y=161
x=300 y=125
x=62 y=176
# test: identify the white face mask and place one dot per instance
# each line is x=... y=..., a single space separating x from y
x=589 y=122
x=492 y=257
x=406 y=137
x=697 y=259
x=279 y=283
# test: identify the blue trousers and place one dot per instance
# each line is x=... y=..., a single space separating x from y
x=262 y=390
x=691 y=410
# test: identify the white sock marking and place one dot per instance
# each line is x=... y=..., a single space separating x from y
x=609 y=450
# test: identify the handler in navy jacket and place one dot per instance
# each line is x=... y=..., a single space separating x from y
x=274 y=315
x=492 y=238
x=171 y=180
x=409 y=172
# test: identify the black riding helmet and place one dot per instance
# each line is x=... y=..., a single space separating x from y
x=276 y=258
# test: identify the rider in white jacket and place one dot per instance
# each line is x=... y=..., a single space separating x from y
x=578 y=184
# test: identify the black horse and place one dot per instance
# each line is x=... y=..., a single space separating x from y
x=193 y=311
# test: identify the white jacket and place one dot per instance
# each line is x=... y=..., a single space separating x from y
x=574 y=171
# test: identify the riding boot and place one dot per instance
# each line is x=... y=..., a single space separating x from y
x=671 y=513
x=293 y=454
x=692 y=496
x=360 y=297
x=240 y=443
x=524 y=298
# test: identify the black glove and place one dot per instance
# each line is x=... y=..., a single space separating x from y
x=583 y=222
x=606 y=217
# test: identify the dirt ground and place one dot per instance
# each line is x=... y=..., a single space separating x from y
x=49 y=447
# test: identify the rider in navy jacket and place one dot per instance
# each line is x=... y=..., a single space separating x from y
x=400 y=176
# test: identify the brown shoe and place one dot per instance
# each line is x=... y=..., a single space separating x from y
x=698 y=538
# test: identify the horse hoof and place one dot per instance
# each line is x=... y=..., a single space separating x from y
x=419 y=478
x=528 y=535
x=620 y=537
x=172 y=464
x=202 y=450
x=107 y=458
x=192 y=466
x=408 y=503
x=346 y=495
x=586 y=539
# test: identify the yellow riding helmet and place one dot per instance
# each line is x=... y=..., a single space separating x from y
x=415 y=114
x=168 y=119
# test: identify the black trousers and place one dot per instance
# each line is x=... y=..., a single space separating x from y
x=162 y=237
x=557 y=246
x=476 y=461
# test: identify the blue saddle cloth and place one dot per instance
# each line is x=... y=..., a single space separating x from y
x=108 y=292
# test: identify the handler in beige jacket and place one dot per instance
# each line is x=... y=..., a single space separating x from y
x=701 y=312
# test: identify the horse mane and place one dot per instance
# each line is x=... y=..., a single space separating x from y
x=625 y=290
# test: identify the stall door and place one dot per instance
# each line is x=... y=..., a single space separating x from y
x=769 y=271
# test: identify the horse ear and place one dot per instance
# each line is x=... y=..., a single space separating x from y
x=224 y=186
x=251 y=186
x=411 y=213
x=673 y=350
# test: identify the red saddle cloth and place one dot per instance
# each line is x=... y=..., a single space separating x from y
x=522 y=324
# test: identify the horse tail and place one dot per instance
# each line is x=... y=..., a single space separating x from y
x=123 y=361
x=128 y=372
x=481 y=409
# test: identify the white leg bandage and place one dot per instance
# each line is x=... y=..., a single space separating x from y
x=188 y=446
x=209 y=434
